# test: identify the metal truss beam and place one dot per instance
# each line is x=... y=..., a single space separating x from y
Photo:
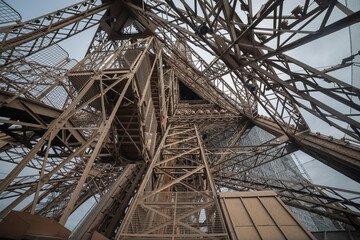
x=110 y=210
x=22 y=40
x=261 y=74
x=168 y=183
x=81 y=125
x=338 y=154
x=63 y=148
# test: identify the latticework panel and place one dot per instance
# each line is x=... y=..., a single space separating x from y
x=176 y=215
x=8 y=14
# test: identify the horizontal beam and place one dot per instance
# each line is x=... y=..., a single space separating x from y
x=339 y=155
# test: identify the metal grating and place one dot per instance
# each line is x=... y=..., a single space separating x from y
x=176 y=215
x=52 y=56
x=39 y=77
x=8 y=14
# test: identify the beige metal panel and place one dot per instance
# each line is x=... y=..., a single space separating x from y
x=296 y=233
x=279 y=214
x=272 y=233
x=260 y=215
x=256 y=211
x=236 y=214
x=247 y=194
x=246 y=233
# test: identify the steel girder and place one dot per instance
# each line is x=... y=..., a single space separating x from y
x=65 y=143
x=242 y=57
x=338 y=154
x=176 y=189
x=246 y=44
x=280 y=97
x=22 y=40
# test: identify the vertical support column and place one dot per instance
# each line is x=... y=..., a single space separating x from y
x=103 y=131
x=207 y=168
x=39 y=185
x=163 y=108
x=144 y=182
x=183 y=200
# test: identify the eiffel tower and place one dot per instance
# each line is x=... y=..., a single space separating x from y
x=152 y=124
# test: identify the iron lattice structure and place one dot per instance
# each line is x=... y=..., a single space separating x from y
x=116 y=123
